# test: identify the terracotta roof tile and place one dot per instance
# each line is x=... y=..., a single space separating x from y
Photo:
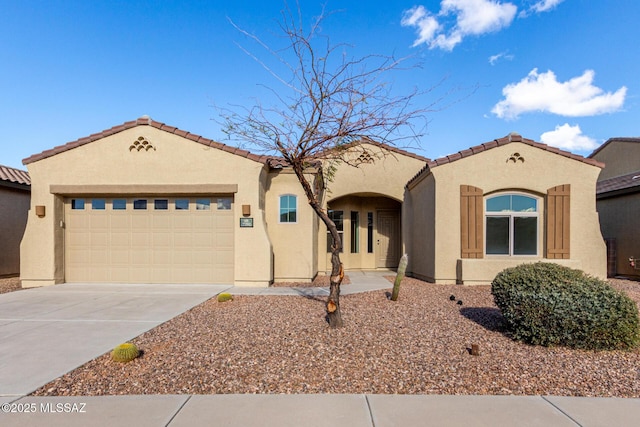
x=614 y=139
x=143 y=121
x=618 y=185
x=15 y=176
x=513 y=137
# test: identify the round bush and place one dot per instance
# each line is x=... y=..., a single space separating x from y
x=548 y=304
x=125 y=352
x=224 y=297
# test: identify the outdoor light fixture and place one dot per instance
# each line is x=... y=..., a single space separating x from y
x=40 y=211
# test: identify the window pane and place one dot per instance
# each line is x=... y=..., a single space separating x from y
x=98 y=204
x=336 y=217
x=224 y=204
x=77 y=204
x=119 y=204
x=140 y=204
x=370 y=232
x=203 y=204
x=497 y=235
x=525 y=235
x=355 y=232
x=161 y=204
x=523 y=204
x=499 y=204
x=182 y=204
x=288 y=208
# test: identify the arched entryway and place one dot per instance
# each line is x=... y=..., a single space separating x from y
x=371 y=231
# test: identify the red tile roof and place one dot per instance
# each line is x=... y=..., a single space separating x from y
x=629 y=183
x=146 y=121
x=513 y=137
x=614 y=139
x=15 y=176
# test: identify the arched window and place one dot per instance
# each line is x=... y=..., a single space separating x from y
x=288 y=208
x=511 y=224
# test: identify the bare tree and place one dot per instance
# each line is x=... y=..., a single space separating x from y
x=326 y=103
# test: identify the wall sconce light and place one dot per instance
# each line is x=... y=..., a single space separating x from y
x=246 y=210
x=40 y=211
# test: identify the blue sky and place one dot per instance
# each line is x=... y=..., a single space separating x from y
x=564 y=72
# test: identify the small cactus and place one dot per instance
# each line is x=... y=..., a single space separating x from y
x=402 y=267
x=224 y=297
x=125 y=352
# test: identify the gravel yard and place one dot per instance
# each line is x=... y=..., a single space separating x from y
x=281 y=344
x=9 y=284
x=319 y=281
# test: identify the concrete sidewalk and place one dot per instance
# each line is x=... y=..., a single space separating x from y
x=322 y=410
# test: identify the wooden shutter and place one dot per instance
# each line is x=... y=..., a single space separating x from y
x=471 y=222
x=558 y=221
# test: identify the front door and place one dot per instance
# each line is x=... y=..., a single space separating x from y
x=388 y=241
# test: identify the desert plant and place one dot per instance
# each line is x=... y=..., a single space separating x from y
x=224 y=297
x=402 y=267
x=548 y=304
x=125 y=352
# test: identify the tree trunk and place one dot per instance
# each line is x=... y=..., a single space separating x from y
x=333 y=302
x=337 y=272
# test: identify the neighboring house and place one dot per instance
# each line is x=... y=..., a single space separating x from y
x=144 y=202
x=500 y=204
x=618 y=203
x=15 y=191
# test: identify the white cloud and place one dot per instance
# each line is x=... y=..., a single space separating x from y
x=540 y=6
x=569 y=137
x=545 y=5
x=473 y=17
x=502 y=55
x=425 y=22
x=543 y=92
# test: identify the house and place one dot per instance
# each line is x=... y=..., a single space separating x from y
x=15 y=191
x=500 y=204
x=618 y=203
x=145 y=202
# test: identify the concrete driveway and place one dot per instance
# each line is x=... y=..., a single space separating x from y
x=47 y=332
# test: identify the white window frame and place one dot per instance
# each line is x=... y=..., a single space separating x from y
x=295 y=197
x=512 y=215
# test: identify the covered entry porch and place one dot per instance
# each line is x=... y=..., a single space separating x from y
x=370 y=227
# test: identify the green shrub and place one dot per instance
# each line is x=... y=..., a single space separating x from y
x=125 y=352
x=224 y=297
x=548 y=304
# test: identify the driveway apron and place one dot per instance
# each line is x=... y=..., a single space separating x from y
x=49 y=331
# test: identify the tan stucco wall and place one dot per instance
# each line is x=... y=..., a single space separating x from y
x=368 y=187
x=620 y=158
x=294 y=244
x=490 y=171
x=175 y=161
x=14 y=207
x=419 y=231
x=619 y=219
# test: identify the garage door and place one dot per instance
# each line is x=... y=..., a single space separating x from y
x=149 y=240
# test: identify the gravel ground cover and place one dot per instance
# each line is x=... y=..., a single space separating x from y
x=420 y=344
x=318 y=282
x=9 y=284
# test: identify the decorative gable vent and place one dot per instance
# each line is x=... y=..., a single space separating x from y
x=365 y=157
x=515 y=158
x=141 y=144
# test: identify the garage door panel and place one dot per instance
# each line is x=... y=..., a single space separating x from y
x=149 y=246
x=120 y=256
x=120 y=239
